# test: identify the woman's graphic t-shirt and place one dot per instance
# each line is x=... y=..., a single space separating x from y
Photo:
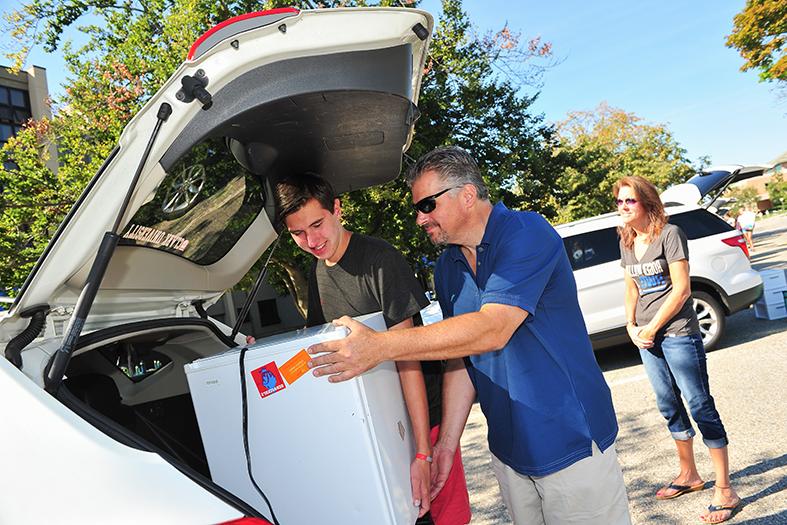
x=651 y=274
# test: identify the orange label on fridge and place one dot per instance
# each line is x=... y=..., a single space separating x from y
x=295 y=367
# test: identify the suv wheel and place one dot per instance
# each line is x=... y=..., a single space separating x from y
x=711 y=317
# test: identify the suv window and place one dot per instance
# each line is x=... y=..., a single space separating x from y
x=709 y=180
x=202 y=207
x=700 y=223
x=592 y=248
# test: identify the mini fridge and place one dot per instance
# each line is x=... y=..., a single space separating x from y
x=323 y=453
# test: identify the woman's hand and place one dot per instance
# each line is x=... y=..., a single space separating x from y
x=641 y=337
x=647 y=333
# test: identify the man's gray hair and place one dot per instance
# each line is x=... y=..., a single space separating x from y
x=455 y=167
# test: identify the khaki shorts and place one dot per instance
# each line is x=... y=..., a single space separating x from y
x=591 y=491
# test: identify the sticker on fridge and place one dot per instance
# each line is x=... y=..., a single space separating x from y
x=298 y=365
x=268 y=379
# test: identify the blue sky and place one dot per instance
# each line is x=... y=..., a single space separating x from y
x=663 y=61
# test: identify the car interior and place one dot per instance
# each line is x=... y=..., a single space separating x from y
x=133 y=376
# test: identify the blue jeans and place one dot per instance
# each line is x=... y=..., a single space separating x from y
x=675 y=366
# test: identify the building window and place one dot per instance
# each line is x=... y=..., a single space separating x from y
x=269 y=313
x=14 y=112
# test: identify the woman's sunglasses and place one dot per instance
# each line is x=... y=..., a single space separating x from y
x=627 y=202
x=428 y=204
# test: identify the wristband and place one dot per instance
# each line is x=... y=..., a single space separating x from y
x=423 y=457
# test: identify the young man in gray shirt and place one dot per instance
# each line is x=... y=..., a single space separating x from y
x=355 y=274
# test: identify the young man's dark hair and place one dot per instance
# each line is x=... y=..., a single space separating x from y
x=292 y=193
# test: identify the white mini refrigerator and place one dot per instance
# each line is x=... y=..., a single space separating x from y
x=323 y=453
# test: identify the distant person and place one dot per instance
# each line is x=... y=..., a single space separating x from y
x=662 y=323
x=510 y=304
x=354 y=274
x=746 y=220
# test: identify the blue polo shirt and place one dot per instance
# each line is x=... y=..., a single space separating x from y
x=543 y=394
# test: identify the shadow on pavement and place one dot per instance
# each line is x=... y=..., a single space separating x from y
x=759 y=468
x=744 y=327
x=769 y=233
x=621 y=356
x=773 y=519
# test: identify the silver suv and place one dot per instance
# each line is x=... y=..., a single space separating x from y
x=722 y=280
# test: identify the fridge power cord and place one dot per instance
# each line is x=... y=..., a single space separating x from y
x=245 y=409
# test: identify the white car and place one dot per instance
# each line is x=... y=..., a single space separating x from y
x=722 y=279
x=98 y=424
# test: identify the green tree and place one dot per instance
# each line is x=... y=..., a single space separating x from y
x=28 y=202
x=777 y=191
x=469 y=98
x=760 y=36
x=741 y=197
x=603 y=145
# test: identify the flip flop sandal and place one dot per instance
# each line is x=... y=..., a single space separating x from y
x=734 y=508
x=680 y=490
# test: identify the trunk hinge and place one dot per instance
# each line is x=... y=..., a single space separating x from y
x=183 y=309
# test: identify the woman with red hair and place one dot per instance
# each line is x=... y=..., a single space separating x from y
x=663 y=325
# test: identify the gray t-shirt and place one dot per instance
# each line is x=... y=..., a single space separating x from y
x=373 y=276
x=651 y=274
x=370 y=277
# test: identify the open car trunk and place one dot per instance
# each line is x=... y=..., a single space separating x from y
x=133 y=376
x=187 y=199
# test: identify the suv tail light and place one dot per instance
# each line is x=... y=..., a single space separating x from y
x=247 y=521
x=738 y=241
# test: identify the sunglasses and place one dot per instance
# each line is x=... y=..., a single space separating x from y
x=628 y=202
x=428 y=204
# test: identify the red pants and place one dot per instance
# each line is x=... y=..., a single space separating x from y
x=452 y=504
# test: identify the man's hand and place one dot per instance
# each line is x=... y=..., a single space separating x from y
x=250 y=340
x=442 y=461
x=419 y=480
x=348 y=357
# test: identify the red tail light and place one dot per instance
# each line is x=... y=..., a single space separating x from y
x=738 y=241
x=247 y=521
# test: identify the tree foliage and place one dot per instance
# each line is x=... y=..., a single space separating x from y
x=777 y=191
x=741 y=197
x=760 y=35
x=599 y=147
x=469 y=98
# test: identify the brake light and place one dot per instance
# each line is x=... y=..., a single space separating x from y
x=738 y=241
x=247 y=521
x=258 y=14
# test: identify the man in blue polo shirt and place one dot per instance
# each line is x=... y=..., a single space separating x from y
x=509 y=300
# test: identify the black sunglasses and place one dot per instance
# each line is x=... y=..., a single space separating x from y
x=428 y=204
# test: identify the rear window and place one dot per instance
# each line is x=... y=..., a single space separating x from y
x=700 y=223
x=202 y=207
x=709 y=180
x=592 y=248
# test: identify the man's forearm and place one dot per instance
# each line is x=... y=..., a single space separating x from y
x=460 y=336
x=414 y=391
x=411 y=377
x=458 y=397
x=489 y=329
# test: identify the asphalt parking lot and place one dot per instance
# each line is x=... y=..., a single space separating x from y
x=748 y=372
